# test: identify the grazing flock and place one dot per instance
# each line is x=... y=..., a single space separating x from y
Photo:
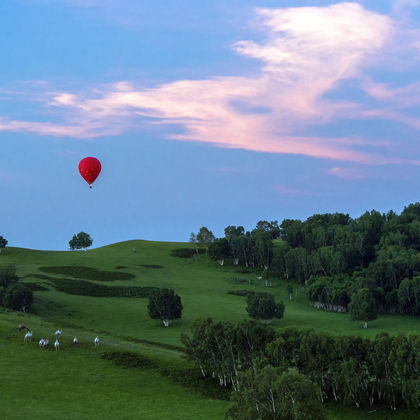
x=44 y=342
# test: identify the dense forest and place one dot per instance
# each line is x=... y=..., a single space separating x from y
x=251 y=357
x=343 y=263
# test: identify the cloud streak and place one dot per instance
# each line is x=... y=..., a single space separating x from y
x=307 y=53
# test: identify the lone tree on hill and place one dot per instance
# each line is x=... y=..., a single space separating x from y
x=80 y=241
x=165 y=305
x=262 y=306
x=363 y=307
x=3 y=243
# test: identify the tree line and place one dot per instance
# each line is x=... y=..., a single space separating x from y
x=252 y=358
x=333 y=256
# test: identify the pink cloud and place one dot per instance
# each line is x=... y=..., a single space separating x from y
x=307 y=53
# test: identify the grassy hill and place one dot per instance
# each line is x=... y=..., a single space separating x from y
x=81 y=384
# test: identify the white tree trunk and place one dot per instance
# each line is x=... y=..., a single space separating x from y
x=166 y=322
x=235 y=261
x=221 y=262
x=365 y=324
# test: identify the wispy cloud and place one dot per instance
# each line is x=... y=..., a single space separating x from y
x=348 y=173
x=308 y=52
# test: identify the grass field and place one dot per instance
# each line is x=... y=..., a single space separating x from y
x=80 y=384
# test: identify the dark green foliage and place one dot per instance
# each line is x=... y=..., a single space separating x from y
x=18 y=297
x=240 y=292
x=354 y=370
x=222 y=349
x=3 y=243
x=351 y=370
x=82 y=240
x=120 y=267
x=151 y=266
x=86 y=288
x=409 y=296
x=272 y=228
x=165 y=305
x=219 y=250
x=363 y=306
x=331 y=293
x=262 y=306
x=2 y=292
x=263 y=248
x=88 y=273
x=205 y=237
x=183 y=252
x=270 y=394
x=8 y=276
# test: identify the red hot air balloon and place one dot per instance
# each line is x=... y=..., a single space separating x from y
x=90 y=168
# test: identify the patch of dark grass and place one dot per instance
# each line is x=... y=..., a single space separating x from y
x=86 y=288
x=244 y=270
x=35 y=287
x=130 y=360
x=151 y=265
x=238 y=280
x=181 y=373
x=240 y=292
x=37 y=276
x=120 y=267
x=87 y=273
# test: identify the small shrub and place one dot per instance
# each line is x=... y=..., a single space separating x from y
x=263 y=306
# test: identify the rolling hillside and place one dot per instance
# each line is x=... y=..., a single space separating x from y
x=84 y=385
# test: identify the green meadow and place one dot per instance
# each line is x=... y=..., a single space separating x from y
x=82 y=384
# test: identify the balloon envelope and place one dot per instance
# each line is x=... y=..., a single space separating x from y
x=90 y=168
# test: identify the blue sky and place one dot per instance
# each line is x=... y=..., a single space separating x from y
x=203 y=113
